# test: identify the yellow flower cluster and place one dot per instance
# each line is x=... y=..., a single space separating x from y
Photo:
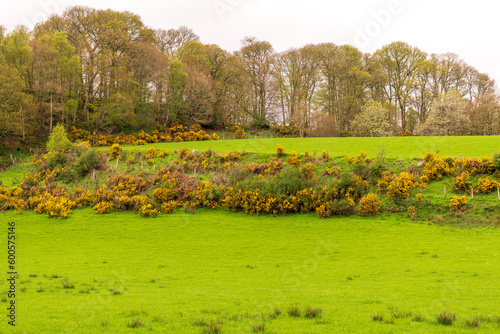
x=308 y=171
x=138 y=142
x=361 y=159
x=102 y=207
x=175 y=133
x=458 y=203
x=280 y=151
x=59 y=206
x=11 y=199
x=325 y=156
x=412 y=212
x=151 y=153
x=231 y=156
x=435 y=167
x=283 y=130
x=114 y=151
x=323 y=211
x=487 y=185
x=462 y=182
x=419 y=197
x=206 y=195
x=165 y=194
x=148 y=210
x=239 y=132
x=294 y=159
x=370 y=205
x=170 y=207
x=400 y=185
x=81 y=197
x=334 y=171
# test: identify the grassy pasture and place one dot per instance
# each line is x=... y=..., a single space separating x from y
x=395 y=147
x=182 y=273
x=178 y=273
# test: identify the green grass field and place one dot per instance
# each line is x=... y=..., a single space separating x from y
x=180 y=273
x=395 y=147
x=175 y=273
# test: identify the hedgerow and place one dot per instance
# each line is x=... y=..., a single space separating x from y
x=272 y=188
x=177 y=133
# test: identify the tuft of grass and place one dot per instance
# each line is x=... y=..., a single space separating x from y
x=40 y=289
x=258 y=328
x=136 y=323
x=67 y=285
x=33 y=275
x=418 y=318
x=312 y=312
x=473 y=322
x=378 y=317
x=276 y=313
x=199 y=323
x=446 y=318
x=117 y=292
x=397 y=314
x=213 y=327
x=294 y=311
x=84 y=291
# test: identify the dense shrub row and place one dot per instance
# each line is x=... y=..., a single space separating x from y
x=301 y=184
x=178 y=133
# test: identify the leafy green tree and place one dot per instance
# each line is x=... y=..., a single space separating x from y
x=447 y=116
x=2 y=32
x=54 y=76
x=400 y=62
x=16 y=52
x=177 y=83
x=257 y=58
x=16 y=107
x=373 y=121
x=342 y=90
x=58 y=140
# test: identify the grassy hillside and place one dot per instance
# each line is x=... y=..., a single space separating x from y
x=217 y=271
x=395 y=147
x=178 y=273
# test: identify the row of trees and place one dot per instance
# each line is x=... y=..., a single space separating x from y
x=105 y=70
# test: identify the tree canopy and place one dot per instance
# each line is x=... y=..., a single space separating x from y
x=107 y=71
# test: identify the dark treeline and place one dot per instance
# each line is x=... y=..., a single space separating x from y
x=106 y=71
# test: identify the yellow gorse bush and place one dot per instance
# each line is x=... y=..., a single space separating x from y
x=401 y=184
x=370 y=205
x=458 y=203
x=487 y=185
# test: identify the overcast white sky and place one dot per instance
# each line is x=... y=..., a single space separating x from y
x=468 y=28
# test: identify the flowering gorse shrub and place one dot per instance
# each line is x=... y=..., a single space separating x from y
x=462 y=182
x=280 y=151
x=400 y=185
x=458 y=203
x=370 y=205
x=487 y=185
